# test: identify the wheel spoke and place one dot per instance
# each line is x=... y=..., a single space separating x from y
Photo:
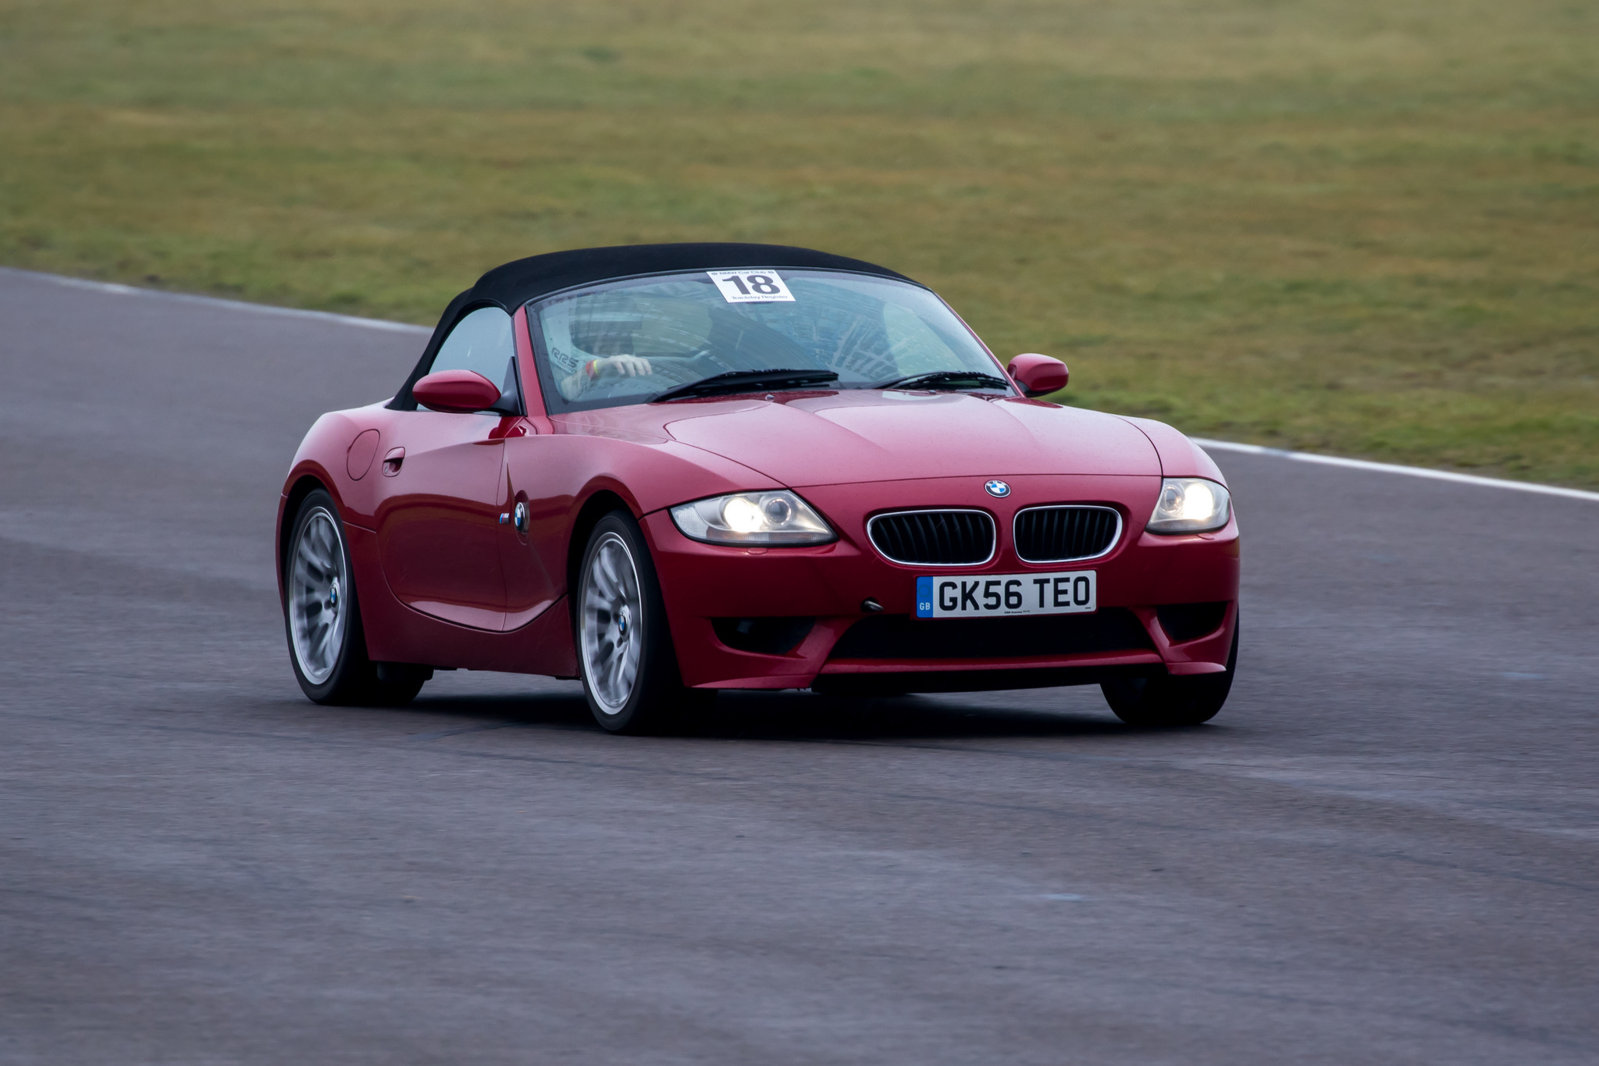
x=609 y=569
x=614 y=681
x=605 y=577
x=315 y=549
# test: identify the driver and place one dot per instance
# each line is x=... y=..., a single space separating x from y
x=597 y=346
x=574 y=384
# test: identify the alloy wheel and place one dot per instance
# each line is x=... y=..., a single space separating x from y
x=611 y=623
x=318 y=597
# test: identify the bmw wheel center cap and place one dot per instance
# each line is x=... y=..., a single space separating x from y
x=997 y=488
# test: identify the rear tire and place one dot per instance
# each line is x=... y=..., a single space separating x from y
x=624 y=649
x=322 y=618
x=1166 y=702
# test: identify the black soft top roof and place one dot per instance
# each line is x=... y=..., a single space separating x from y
x=528 y=279
x=522 y=280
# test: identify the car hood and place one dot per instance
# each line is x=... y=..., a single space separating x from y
x=825 y=438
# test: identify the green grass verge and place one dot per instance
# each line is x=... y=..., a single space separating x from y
x=1368 y=227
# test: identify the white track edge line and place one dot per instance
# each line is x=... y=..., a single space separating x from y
x=1394 y=468
x=1203 y=442
x=219 y=301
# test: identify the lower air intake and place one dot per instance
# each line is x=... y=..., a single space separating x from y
x=903 y=637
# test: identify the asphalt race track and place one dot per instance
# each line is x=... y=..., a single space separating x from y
x=1385 y=849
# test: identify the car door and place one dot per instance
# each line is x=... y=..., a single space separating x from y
x=533 y=554
x=529 y=552
x=439 y=531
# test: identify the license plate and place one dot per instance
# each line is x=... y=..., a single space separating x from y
x=991 y=596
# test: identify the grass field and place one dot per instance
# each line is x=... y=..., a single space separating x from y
x=1368 y=227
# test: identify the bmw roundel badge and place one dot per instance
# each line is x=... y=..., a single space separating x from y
x=997 y=488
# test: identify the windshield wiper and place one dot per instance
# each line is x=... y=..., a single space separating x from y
x=748 y=381
x=954 y=379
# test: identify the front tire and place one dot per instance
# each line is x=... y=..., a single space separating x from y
x=624 y=649
x=322 y=617
x=1166 y=702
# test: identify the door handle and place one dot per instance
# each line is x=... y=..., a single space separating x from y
x=392 y=461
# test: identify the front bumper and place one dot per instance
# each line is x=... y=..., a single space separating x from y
x=797 y=617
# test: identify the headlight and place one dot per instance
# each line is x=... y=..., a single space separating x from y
x=752 y=518
x=1190 y=505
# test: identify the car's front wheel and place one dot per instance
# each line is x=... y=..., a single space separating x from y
x=624 y=650
x=1167 y=702
x=323 y=619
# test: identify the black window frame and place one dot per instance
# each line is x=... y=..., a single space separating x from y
x=405 y=400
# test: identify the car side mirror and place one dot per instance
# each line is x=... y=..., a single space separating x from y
x=456 y=391
x=1037 y=374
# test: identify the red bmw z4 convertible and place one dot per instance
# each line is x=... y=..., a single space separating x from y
x=672 y=469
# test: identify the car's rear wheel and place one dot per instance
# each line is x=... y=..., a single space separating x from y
x=322 y=617
x=1167 y=702
x=624 y=650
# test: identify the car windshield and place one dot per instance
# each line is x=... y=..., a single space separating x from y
x=632 y=341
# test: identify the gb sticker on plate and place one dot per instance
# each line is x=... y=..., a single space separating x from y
x=751 y=286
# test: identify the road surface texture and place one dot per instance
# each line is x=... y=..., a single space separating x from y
x=1385 y=849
